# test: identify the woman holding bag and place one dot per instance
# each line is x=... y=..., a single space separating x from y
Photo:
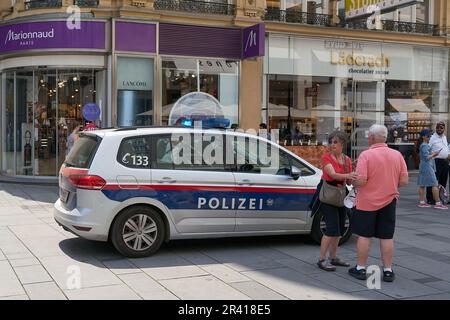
x=337 y=171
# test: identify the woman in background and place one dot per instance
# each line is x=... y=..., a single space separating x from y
x=427 y=175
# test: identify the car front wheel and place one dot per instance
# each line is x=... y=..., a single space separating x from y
x=138 y=232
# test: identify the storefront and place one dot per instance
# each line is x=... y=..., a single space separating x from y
x=48 y=74
x=313 y=86
x=190 y=59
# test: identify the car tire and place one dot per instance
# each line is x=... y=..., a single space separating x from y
x=318 y=226
x=138 y=232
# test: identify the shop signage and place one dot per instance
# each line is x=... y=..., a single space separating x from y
x=360 y=60
x=212 y=66
x=360 y=8
x=229 y=43
x=91 y=112
x=312 y=92
x=340 y=45
x=200 y=41
x=253 y=41
x=134 y=74
x=52 y=35
x=135 y=37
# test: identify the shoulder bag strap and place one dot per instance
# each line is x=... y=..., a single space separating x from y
x=345 y=168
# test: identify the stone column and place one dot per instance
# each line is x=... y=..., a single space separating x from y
x=20 y=6
x=442 y=16
x=333 y=11
x=250 y=92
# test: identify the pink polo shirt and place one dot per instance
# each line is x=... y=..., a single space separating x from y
x=382 y=167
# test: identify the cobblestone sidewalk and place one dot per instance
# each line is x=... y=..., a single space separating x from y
x=38 y=260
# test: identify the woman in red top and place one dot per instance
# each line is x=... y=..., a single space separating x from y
x=337 y=174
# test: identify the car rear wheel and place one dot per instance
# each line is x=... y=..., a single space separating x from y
x=138 y=232
x=318 y=228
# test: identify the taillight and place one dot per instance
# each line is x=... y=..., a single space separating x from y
x=89 y=182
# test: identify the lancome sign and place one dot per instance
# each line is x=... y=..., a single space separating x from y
x=52 y=35
x=134 y=74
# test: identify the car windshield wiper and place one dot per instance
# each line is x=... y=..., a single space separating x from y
x=68 y=164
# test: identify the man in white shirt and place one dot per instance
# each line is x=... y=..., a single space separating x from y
x=438 y=143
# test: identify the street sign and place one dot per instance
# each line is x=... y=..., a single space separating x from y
x=91 y=112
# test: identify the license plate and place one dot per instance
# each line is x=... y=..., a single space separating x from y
x=63 y=195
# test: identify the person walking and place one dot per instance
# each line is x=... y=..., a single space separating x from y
x=380 y=172
x=263 y=132
x=438 y=143
x=73 y=137
x=337 y=171
x=427 y=176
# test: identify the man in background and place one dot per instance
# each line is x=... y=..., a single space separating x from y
x=438 y=143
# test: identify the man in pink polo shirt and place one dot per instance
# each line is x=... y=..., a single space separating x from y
x=381 y=171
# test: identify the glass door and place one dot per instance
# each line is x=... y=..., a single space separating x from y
x=364 y=107
x=45 y=118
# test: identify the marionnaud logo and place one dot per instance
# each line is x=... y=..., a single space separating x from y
x=26 y=38
x=251 y=40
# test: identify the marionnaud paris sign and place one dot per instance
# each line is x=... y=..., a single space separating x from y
x=51 y=35
x=361 y=8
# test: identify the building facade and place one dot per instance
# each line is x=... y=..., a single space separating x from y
x=134 y=59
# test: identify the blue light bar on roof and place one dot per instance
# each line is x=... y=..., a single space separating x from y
x=211 y=123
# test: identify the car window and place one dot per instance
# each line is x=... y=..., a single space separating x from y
x=83 y=152
x=134 y=152
x=305 y=170
x=253 y=155
x=189 y=152
x=163 y=153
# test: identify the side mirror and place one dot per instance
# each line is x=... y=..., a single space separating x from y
x=295 y=173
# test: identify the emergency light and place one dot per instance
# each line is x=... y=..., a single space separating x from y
x=210 y=123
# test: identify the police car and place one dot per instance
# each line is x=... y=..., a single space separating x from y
x=139 y=187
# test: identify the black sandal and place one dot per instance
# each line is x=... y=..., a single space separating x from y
x=338 y=262
x=324 y=266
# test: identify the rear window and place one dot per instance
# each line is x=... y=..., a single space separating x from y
x=83 y=152
x=134 y=152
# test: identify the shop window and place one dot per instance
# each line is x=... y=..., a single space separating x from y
x=217 y=77
x=134 y=91
x=293 y=103
x=40 y=109
x=8 y=123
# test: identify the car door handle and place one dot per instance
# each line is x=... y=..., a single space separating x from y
x=245 y=182
x=167 y=180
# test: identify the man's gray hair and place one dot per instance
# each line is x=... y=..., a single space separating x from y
x=379 y=132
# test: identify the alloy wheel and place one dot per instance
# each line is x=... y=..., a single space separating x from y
x=139 y=232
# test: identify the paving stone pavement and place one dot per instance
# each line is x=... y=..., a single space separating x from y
x=38 y=260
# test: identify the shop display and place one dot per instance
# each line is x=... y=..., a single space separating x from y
x=416 y=123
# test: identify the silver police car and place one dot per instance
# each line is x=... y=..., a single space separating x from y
x=139 y=187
